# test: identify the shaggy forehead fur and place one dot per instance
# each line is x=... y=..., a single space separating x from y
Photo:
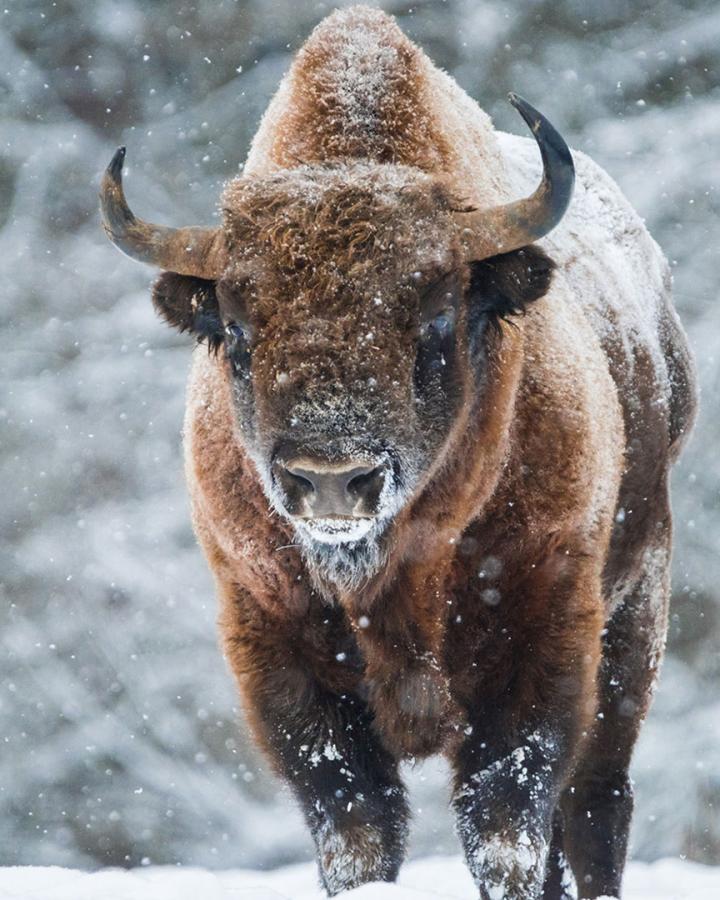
x=329 y=263
x=330 y=226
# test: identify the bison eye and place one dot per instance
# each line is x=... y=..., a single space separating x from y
x=440 y=326
x=237 y=348
x=237 y=333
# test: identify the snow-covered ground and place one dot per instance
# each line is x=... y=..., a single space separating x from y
x=668 y=879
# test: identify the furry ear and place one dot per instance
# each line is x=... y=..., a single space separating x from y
x=504 y=285
x=189 y=304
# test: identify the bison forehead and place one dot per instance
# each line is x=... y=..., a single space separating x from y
x=331 y=261
x=327 y=227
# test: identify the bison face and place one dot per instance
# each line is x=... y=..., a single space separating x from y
x=352 y=332
x=350 y=304
x=341 y=308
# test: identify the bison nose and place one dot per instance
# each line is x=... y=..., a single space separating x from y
x=319 y=489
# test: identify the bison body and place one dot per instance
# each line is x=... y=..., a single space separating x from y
x=501 y=597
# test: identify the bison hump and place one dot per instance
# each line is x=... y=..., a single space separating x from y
x=358 y=90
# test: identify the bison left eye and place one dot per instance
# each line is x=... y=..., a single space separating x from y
x=237 y=344
x=237 y=333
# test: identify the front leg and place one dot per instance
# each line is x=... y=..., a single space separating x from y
x=321 y=742
x=348 y=787
x=525 y=735
x=504 y=807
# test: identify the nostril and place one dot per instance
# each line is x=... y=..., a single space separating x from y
x=300 y=482
x=366 y=483
x=295 y=485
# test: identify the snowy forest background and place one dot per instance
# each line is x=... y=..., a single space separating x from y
x=120 y=741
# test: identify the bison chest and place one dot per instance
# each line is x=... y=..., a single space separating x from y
x=414 y=712
x=407 y=693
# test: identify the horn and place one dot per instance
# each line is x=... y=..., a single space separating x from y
x=187 y=251
x=505 y=228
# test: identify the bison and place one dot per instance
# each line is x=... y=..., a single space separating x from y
x=428 y=454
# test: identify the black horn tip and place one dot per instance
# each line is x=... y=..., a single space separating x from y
x=552 y=143
x=532 y=116
x=114 y=170
x=558 y=181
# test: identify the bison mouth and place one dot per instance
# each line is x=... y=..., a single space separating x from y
x=334 y=530
x=344 y=552
x=340 y=506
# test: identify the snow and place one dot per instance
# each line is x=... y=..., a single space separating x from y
x=446 y=877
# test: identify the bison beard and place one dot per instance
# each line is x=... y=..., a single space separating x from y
x=346 y=566
x=406 y=450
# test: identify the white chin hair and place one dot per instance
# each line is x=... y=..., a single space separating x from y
x=335 y=531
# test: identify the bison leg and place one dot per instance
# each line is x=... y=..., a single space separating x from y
x=504 y=803
x=559 y=881
x=599 y=802
x=511 y=769
x=352 y=798
x=321 y=742
x=347 y=784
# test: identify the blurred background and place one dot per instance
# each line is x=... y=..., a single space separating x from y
x=120 y=740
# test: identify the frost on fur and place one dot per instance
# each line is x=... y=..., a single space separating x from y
x=352 y=857
x=503 y=819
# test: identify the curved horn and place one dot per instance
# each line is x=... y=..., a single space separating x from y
x=187 y=251
x=505 y=228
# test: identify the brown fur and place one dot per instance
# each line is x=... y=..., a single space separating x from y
x=362 y=87
x=490 y=633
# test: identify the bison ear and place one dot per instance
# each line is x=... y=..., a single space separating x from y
x=505 y=285
x=189 y=304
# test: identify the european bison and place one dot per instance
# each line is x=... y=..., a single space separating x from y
x=428 y=459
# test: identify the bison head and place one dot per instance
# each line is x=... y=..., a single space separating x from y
x=352 y=306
